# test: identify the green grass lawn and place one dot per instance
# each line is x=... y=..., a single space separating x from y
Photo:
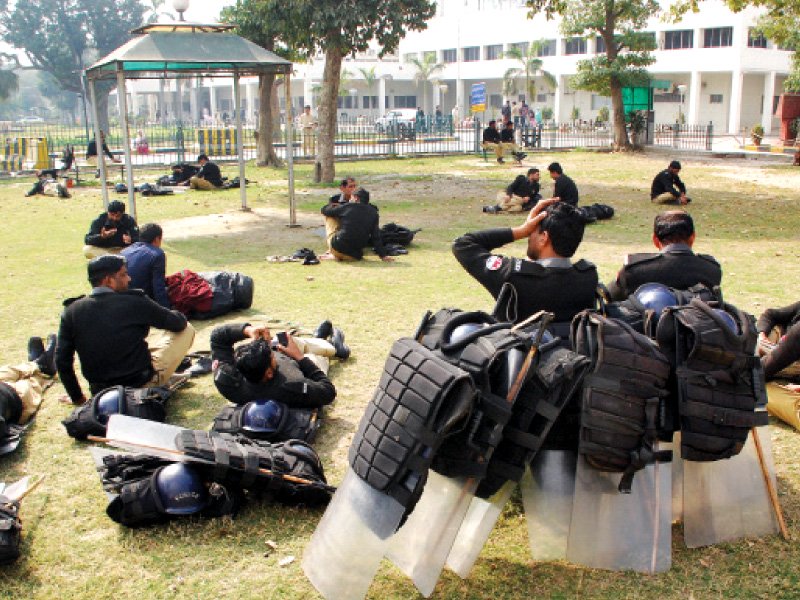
x=747 y=216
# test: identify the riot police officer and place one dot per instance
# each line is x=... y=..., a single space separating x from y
x=675 y=264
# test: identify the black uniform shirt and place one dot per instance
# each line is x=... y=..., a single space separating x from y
x=491 y=135
x=667 y=182
x=566 y=189
x=211 y=173
x=358 y=228
x=523 y=187
x=126 y=225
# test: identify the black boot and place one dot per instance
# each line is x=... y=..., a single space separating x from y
x=337 y=339
x=47 y=361
x=324 y=330
x=35 y=347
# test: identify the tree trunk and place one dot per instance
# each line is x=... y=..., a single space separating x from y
x=621 y=141
x=327 y=114
x=265 y=151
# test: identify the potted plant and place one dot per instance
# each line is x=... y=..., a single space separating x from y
x=757 y=134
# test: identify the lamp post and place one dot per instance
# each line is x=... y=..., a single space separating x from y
x=180 y=6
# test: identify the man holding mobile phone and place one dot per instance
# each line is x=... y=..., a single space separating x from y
x=110 y=232
x=282 y=368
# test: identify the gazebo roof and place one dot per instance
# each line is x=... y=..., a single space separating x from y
x=187 y=48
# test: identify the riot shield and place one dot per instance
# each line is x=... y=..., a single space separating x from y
x=475 y=529
x=421 y=546
x=548 y=489
x=726 y=500
x=150 y=437
x=610 y=530
x=677 y=478
x=349 y=543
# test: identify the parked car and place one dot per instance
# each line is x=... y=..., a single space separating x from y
x=30 y=120
x=400 y=120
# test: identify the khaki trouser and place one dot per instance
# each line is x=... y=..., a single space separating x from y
x=319 y=351
x=497 y=148
x=783 y=404
x=91 y=252
x=512 y=203
x=309 y=142
x=167 y=350
x=198 y=183
x=28 y=381
x=331 y=227
x=666 y=198
x=508 y=147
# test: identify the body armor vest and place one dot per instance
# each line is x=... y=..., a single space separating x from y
x=10 y=528
x=621 y=397
x=719 y=380
x=143 y=403
x=10 y=410
x=291 y=471
x=679 y=270
x=296 y=424
x=562 y=291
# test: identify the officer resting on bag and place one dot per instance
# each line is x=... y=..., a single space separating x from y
x=293 y=372
x=675 y=264
x=546 y=279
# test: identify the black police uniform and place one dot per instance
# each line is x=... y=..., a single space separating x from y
x=788 y=350
x=564 y=291
x=675 y=266
x=298 y=384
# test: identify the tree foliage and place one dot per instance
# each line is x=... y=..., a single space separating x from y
x=531 y=67
x=57 y=36
x=619 y=23
x=339 y=28
x=425 y=71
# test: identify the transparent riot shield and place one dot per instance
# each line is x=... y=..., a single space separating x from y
x=475 y=529
x=98 y=454
x=351 y=539
x=141 y=435
x=421 y=546
x=727 y=499
x=610 y=530
x=548 y=489
x=677 y=478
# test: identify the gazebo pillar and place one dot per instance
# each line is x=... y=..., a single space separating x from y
x=237 y=100
x=101 y=163
x=126 y=136
x=290 y=148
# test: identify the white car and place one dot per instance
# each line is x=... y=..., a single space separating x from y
x=30 y=120
x=400 y=120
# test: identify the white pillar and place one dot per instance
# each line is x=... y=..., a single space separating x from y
x=248 y=93
x=735 y=115
x=557 y=99
x=237 y=98
x=382 y=94
x=126 y=137
x=463 y=105
x=194 y=100
x=695 y=86
x=212 y=102
x=769 y=94
x=308 y=92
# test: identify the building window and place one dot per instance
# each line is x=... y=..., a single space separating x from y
x=575 y=45
x=495 y=101
x=472 y=53
x=546 y=48
x=715 y=99
x=755 y=40
x=600 y=45
x=409 y=56
x=521 y=47
x=718 y=37
x=541 y=97
x=678 y=40
x=347 y=102
x=405 y=102
x=369 y=101
x=494 y=52
x=449 y=55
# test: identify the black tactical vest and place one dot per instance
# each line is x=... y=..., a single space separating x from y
x=10 y=409
x=296 y=424
x=679 y=270
x=10 y=528
x=720 y=382
x=142 y=403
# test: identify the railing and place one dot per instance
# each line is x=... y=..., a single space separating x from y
x=355 y=137
x=684 y=137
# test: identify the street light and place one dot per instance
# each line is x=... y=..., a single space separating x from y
x=180 y=6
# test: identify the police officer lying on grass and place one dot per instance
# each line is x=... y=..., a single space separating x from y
x=675 y=264
x=288 y=370
x=547 y=279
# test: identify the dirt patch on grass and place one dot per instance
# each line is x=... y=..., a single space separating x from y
x=235 y=221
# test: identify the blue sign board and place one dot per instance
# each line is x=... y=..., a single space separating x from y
x=477 y=97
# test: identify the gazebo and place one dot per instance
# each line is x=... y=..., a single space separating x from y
x=183 y=50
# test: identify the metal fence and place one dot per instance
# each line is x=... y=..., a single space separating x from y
x=157 y=145
x=684 y=137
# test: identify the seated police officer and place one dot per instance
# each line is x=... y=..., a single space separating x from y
x=293 y=373
x=147 y=264
x=122 y=337
x=667 y=187
x=779 y=338
x=547 y=279
x=111 y=231
x=675 y=264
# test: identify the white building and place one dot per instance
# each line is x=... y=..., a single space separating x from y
x=711 y=67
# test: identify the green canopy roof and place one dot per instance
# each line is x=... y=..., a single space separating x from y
x=189 y=51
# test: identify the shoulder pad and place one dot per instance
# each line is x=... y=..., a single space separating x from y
x=641 y=257
x=69 y=301
x=528 y=267
x=709 y=258
x=584 y=265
